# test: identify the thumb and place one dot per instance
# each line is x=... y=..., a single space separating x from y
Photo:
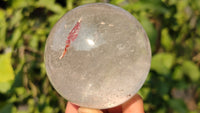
x=88 y=110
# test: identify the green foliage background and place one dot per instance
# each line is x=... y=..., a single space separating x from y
x=173 y=27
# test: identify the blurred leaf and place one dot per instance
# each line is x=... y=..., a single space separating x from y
x=12 y=99
x=20 y=90
x=17 y=18
x=31 y=104
x=44 y=2
x=16 y=36
x=3 y=26
x=82 y=2
x=50 y=5
x=182 y=33
x=191 y=70
x=166 y=97
x=48 y=109
x=34 y=41
x=181 y=14
x=144 y=92
x=161 y=110
x=150 y=30
x=5 y=86
x=69 y=4
x=6 y=70
x=57 y=9
x=53 y=19
x=154 y=6
x=9 y=11
x=195 y=4
x=172 y=2
x=163 y=88
x=6 y=109
x=21 y=3
x=178 y=105
x=181 y=84
x=198 y=28
x=146 y=107
x=33 y=89
x=116 y=1
x=162 y=63
x=197 y=43
x=178 y=73
x=166 y=40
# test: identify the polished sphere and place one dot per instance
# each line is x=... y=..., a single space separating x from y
x=107 y=56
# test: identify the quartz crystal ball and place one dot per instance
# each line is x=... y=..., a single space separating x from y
x=97 y=56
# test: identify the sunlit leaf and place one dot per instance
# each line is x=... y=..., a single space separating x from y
x=50 y=5
x=162 y=63
x=191 y=70
x=20 y=90
x=154 y=6
x=82 y=2
x=17 y=16
x=34 y=41
x=172 y=2
x=6 y=70
x=48 y=109
x=195 y=4
x=69 y=4
x=116 y=1
x=181 y=15
x=5 y=86
x=166 y=40
x=31 y=104
x=16 y=36
x=178 y=73
x=33 y=89
x=3 y=26
x=53 y=19
x=20 y=3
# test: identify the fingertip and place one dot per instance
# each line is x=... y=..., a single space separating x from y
x=117 y=109
x=134 y=105
x=71 y=108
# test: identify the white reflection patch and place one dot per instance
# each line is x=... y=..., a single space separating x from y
x=90 y=42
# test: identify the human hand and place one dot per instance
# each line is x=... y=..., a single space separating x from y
x=134 y=105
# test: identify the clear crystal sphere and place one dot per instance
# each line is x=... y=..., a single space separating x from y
x=107 y=57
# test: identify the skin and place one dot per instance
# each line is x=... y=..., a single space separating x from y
x=134 y=105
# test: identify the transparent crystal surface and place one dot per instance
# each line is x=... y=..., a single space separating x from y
x=108 y=61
